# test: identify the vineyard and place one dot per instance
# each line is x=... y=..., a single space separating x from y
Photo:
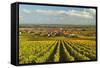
x=56 y=51
x=56 y=34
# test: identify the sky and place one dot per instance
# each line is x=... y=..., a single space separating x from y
x=37 y=14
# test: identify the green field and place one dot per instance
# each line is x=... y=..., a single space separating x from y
x=55 y=49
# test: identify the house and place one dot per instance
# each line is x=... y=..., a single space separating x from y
x=73 y=35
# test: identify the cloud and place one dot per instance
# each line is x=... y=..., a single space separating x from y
x=86 y=13
x=26 y=11
x=91 y=11
x=79 y=13
x=50 y=11
x=45 y=11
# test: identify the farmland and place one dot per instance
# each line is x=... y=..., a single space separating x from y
x=45 y=43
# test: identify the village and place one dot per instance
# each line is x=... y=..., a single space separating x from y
x=52 y=32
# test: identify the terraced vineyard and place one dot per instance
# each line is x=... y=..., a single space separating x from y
x=56 y=51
